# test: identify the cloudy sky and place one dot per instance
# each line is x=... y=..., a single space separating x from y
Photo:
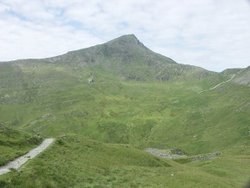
x=214 y=34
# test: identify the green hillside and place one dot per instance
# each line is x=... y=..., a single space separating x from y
x=107 y=103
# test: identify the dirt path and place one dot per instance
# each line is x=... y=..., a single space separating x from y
x=18 y=162
x=218 y=85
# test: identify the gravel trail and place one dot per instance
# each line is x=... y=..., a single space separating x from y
x=218 y=85
x=18 y=162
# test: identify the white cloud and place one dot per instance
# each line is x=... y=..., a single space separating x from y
x=209 y=33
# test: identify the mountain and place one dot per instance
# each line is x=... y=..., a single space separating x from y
x=128 y=59
x=106 y=104
x=124 y=59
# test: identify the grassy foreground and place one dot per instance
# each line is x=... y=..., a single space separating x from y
x=79 y=162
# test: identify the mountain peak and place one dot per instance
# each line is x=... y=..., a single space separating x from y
x=129 y=36
x=126 y=40
x=129 y=39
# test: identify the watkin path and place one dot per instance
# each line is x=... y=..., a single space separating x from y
x=218 y=85
x=18 y=162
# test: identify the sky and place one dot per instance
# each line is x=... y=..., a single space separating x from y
x=213 y=34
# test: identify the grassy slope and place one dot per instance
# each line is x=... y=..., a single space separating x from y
x=123 y=112
x=116 y=111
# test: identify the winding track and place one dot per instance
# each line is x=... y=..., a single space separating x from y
x=218 y=85
x=18 y=162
